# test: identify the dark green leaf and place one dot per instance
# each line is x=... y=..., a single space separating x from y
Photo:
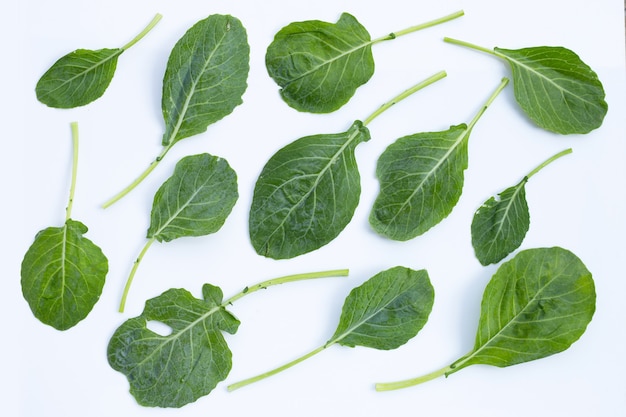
x=196 y=200
x=387 y=310
x=177 y=369
x=536 y=305
x=306 y=194
x=319 y=65
x=557 y=90
x=205 y=78
x=421 y=180
x=500 y=224
x=62 y=275
x=78 y=78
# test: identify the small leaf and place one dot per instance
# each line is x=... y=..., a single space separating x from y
x=387 y=310
x=306 y=194
x=174 y=370
x=536 y=305
x=500 y=225
x=62 y=275
x=319 y=65
x=205 y=78
x=195 y=200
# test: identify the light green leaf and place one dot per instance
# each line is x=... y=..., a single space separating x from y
x=306 y=194
x=205 y=78
x=195 y=200
x=179 y=368
x=62 y=275
x=82 y=76
x=386 y=311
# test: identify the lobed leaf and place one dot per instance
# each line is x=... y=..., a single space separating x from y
x=195 y=200
x=319 y=65
x=306 y=194
x=206 y=76
x=176 y=369
x=387 y=310
x=62 y=275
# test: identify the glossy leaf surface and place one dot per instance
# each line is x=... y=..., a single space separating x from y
x=306 y=194
x=421 y=179
x=206 y=76
x=535 y=305
x=176 y=369
x=387 y=310
x=62 y=275
x=319 y=65
x=556 y=89
x=195 y=200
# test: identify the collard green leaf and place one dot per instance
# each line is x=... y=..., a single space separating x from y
x=196 y=200
x=556 y=89
x=62 y=275
x=306 y=194
x=387 y=310
x=421 y=180
x=206 y=76
x=83 y=75
x=319 y=65
x=500 y=224
x=536 y=305
x=177 y=369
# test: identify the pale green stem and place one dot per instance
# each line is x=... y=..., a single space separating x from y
x=493 y=96
x=70 y=203
x=139 y=179
x=405 y=94
x=468 y=45
x=389 y=386
x=129 y=281
x=415 y=28
x=144 y=32
x=548 y=162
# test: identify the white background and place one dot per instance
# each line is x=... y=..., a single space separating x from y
x=577 y=203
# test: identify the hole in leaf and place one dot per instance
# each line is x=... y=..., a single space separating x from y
x=159 y=328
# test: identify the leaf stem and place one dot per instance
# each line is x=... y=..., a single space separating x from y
x=144 y=32
x=389 y=386
x=468 y=45
x=493 y=96
x=129 y=281
x=421 y=26
x=405 y=94
x=548 y=162
x=70 y=202
x=137 y=181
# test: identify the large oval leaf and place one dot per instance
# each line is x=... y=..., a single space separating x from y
x=319 y=65
x=195 y=200
x=387 y=310
x=421 y=180
x=306 y=194
x=62 y=275
x=206 y=76
x=556 y=89
x=535 y=305
x=179 y=368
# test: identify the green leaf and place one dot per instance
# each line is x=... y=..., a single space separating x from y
x=205 y=78
x=319 y=65
x=386 y=311
x=195 y=200
x=536 y=305
x=62 y=275
x=82 y=76
x=421 y=179
x=500 y=224
x=306 y=194
x=177 y=369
